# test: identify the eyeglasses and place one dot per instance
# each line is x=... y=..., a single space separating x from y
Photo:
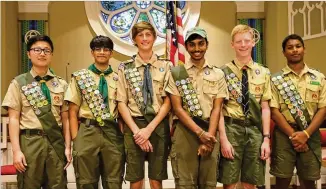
x=105 y=50
x=39 y=51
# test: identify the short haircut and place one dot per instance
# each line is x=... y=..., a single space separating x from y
x=101 y=42
x=289 y=37
x=141 y=26
x=241 y=28
x=193 y=37
x=38 y=38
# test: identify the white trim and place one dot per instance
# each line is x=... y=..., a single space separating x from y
x=33 y=6
x=94 y=18
x=305 y=11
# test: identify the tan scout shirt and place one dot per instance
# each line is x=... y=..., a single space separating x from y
x=16 y=100
x=74 y=95
x=160 y=72
x=311 y=86
x=209 y=83
x=259 y=87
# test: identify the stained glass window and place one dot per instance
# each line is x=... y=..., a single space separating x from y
x=121 y=15
x=116 y=18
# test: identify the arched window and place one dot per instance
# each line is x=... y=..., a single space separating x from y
x=116 y=18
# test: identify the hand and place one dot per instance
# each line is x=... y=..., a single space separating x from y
x=20 y=161
x=68 y=156
x=265 y=149
x=146 y=146
x=227 y=149
x=298 y=137
x=208 y=139
x=142 y=135
x=204 y=150
x=301 y=147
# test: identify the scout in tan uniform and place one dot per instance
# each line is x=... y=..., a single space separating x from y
x=195 y=145
x=38 y=117
x=144 y=106
x=245 y=134
x=298 y=109
x=97 y=141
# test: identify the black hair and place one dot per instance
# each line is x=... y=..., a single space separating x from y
x=37 y=38
x=101 y=41
x=289 y=37
x=195 y=36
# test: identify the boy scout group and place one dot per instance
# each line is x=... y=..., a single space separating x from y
x=220 y=130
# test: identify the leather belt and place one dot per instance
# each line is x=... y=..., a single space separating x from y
x=242 y=122
x=33 y=132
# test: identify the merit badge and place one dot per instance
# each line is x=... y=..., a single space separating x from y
x=257 y=89
x=56 y=99
x=115 y=78
x=207 y=72
x=161 y=69
x=314 y=96
x=257 y=71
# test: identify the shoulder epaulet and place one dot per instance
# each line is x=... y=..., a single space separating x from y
x=58 y=77
x=122 y=64
x=162 y=58
x=217 y=69
x=314 y=69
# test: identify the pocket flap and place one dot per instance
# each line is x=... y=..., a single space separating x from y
x=313 y=87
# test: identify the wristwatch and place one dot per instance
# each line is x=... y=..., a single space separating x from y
x=267 y=135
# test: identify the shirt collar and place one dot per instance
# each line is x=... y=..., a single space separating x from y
x=288 y=70
x=34 y=74
x=140 y=62
x=189 y=64
x=240 y=66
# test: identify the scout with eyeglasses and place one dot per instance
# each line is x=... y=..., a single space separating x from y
x=298 y=109
x=98 y=149
x=38 y=126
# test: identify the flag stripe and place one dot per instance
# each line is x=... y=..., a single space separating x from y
x=174 y=38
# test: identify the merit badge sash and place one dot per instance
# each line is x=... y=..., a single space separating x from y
x=234 y=87
x=297 y=108
x=42 y=110
x=135 y=83
x=292 y=99
x=94 y=99
x=188 y=94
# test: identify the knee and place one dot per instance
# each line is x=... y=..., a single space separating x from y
x=155 y=184
x=248 y=186
x=230 y=186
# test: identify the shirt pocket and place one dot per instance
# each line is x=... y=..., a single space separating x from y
x=158 y=83
x=257 y=87
x=112 y=90
x=57 y=94
x=210 y=85
x=312 y=93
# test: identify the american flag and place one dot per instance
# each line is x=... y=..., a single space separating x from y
x=175 y=46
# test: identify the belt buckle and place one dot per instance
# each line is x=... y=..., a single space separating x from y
x=41 y=133
x=246 y=122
